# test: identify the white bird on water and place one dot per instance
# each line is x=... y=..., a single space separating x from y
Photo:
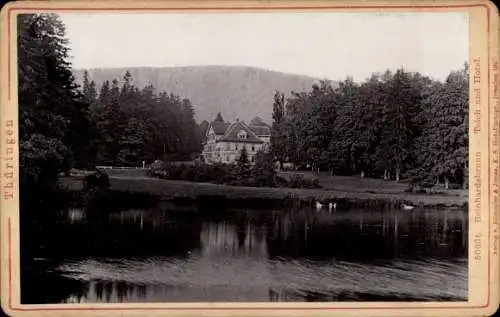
x=332 y=206
x=318 y=205
x=408 y=207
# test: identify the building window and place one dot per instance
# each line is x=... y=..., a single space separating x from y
x=253 y=147
x=251 y=158
x=242 y=134
x=227 y=158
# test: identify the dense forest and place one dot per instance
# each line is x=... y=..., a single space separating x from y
x=62 y=125
x=136 y=125
x=237 y=92
x=395 y=126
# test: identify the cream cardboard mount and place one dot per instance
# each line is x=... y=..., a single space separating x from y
x=143 y=260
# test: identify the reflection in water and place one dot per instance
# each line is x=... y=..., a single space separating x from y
x=252 y=255
x=324 y=282
x=219 y=239
x=75 y=215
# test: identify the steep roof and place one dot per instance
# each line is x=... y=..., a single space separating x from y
x=260 y=130
x=232 y=131
x=219 y=127
x=257 y=121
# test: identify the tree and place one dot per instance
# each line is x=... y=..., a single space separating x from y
x=257 y=121
x=263 y=172
x=86 y=85
x=203 y=129
x=443 y=153
x=242 y=165
x=140 y=125
x=278 y=108
x=127 y=87
x=372 y=102
x=316 y=128
x=296 y=109
x=346 y=140
x=190 y=135
x=105 y=93
x=402 y=105
x=53 y=115
x=218 y=118
x=90 y=96
x=278 y=137
x=394 y=125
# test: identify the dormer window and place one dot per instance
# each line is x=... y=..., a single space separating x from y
x=242 y=135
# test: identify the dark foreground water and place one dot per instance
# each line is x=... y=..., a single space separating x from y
x=174 y=254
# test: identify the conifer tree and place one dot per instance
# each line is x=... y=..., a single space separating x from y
x=263 y=173
x=243 y=165
x=278 y=136
x=219 y=118
x=53 y=115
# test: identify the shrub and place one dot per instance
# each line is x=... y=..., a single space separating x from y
x=98 y=180
x=156 y=165
x=315 y=183
x=262 y=174
x=200 y=173
x=427 y=184
x=299 y=181
x=187 y=174
x=410 y=188
x=218 y=173
x=281 y=181
x=241 y=182
x=454 y=186
x=173 y=172
x=42 y=159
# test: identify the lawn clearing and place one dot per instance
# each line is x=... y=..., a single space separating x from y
x=368 y=185
x=336 y=188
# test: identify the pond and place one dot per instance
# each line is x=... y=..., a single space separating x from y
x=185 y=254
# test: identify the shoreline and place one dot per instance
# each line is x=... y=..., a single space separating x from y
x=185 y=192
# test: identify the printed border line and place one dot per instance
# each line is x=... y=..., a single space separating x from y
x=414 y=6
x=488 y=65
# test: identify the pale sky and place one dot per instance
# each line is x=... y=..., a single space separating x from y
x=325 y=45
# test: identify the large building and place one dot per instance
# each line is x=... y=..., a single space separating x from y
x=224 y=141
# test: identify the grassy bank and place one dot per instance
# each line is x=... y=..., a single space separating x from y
x=369 y=185
x=358 y=196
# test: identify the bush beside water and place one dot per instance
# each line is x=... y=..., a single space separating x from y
x=98 y=180
x=99 y=202
x=231 y=175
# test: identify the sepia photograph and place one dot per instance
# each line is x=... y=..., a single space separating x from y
x=244 y=157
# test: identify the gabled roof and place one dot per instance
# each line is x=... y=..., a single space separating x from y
x=260 y=130
x=232 y=131
x=219 y=127
x=257 y=121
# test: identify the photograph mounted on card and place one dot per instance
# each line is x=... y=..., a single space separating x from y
x=249 y=158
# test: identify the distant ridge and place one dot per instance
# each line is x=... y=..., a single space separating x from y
x=236 y=91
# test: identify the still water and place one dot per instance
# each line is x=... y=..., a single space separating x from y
x=183 y=255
